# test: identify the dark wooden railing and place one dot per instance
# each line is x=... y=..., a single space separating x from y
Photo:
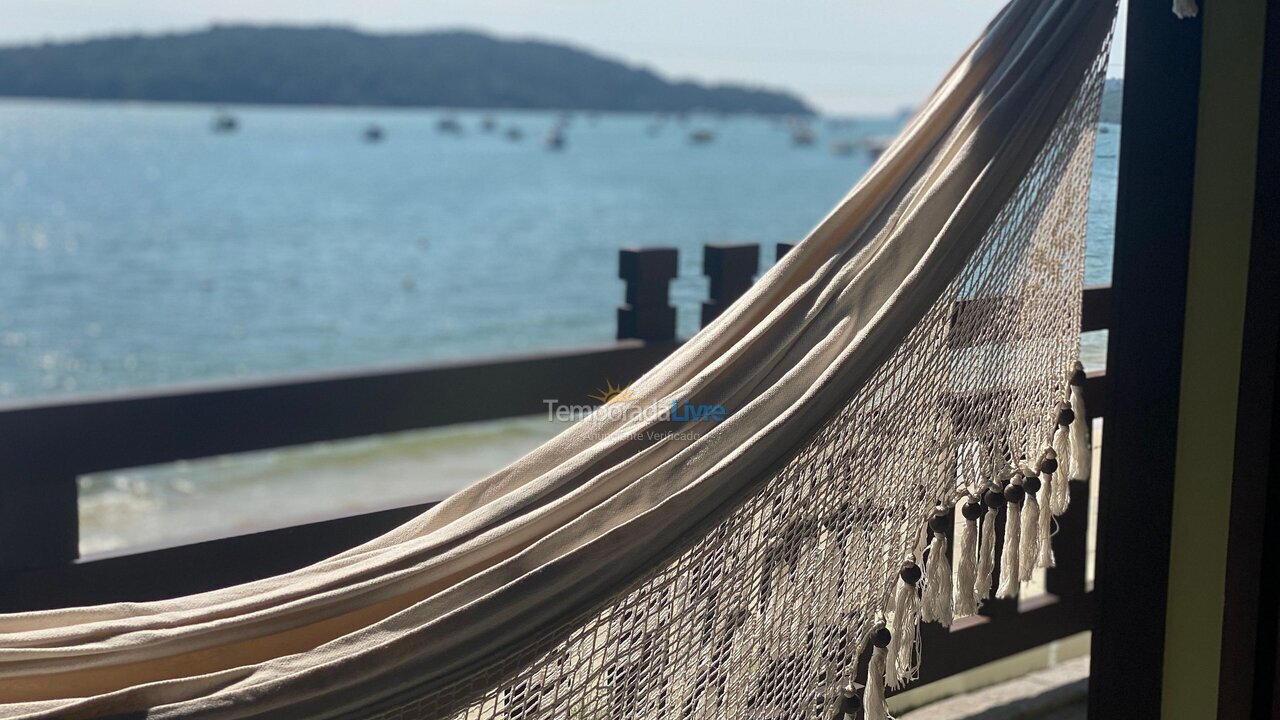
x=46 y=446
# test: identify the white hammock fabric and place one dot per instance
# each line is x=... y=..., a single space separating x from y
x=636 y=567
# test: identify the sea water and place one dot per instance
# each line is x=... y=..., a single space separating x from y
x=141 y=249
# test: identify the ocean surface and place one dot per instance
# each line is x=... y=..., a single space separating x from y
x=141 y=249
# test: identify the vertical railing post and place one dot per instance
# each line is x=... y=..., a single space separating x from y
x=39 y=522
x=648 y=314
x=1067 y=576
x=1155 y=193
x=731 y=268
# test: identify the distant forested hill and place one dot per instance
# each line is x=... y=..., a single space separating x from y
x=337 y=66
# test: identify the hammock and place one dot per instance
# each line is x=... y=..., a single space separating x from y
x=913 y=356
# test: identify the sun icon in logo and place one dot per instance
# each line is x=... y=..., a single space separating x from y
x=611 y=393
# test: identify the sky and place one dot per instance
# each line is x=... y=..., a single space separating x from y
x=843 y=56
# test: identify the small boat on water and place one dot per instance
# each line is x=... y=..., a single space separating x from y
x=374 y=133
x=488 y=124
x=555 y=139
x=842 y=147
x=803 y=136
x=225 y=122
x=701 y=137
x=449 y=126
x=514 y=134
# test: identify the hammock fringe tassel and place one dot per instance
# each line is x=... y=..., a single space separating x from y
x=993 y=500
x=1009 y=575
x=966 y=559
x=936 y=605
x=901 y=664
x=1062 y=449
x=1081 y=453
x=873 y=706
x=1029 y=549
x=1031 y=497
x=1048 y=466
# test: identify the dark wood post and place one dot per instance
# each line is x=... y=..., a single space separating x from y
x=39 y=521
x=1070 y=546
x=1249 y=680
x=1149 y=290
x=732 y=269
x=648 y=313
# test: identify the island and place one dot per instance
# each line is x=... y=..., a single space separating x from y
x=237 y=64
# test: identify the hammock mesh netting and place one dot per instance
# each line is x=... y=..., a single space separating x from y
x=765 y=613
x=914 y=356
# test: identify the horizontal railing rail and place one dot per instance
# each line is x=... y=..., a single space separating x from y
x=45 y=446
